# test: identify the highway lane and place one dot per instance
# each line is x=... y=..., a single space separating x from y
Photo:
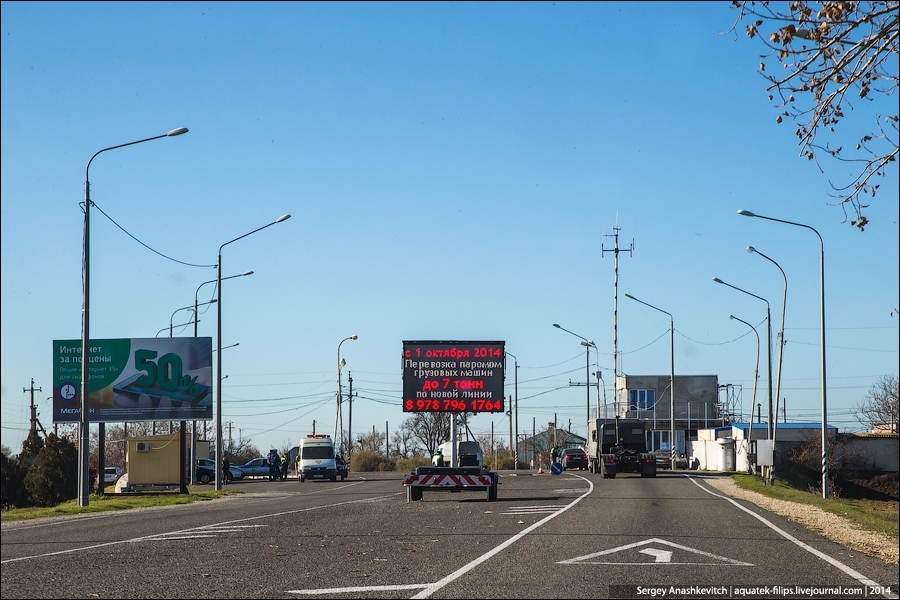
x=567 y=536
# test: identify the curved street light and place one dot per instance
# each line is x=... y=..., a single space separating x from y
x=755 y=379
x=671 y=379
x=196 y=322
x=178 y=310
x=768 y=344
x=773 y=418
x=197 y=293
x=747 y=213
x=339 y=419
x=588 y=344
x=219 y=448
x=84 y=483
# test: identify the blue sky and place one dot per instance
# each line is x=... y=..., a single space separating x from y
x=453 y=172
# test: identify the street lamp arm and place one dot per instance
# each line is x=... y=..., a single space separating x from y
x=172 y=133
x=278 y=220
x=588 y=342
x=717 y=280
x=671 y=318
x=747 y=213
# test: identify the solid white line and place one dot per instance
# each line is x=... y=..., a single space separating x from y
x=832 y=561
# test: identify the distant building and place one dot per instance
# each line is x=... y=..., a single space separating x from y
x=647 y=397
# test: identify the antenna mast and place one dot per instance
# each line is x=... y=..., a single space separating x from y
x=615 y=252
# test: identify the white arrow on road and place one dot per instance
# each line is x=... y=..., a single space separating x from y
x=662 y=556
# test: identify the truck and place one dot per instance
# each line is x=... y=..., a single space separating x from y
x=468 y=474
x=316 y=458
x=619 y=446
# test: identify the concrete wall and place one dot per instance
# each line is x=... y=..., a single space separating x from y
x=881 y=452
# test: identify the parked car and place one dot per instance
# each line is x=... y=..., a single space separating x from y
x=206 y=471
x=111 y=474
x=573 y=458
x=258 y=467
x=664 y=459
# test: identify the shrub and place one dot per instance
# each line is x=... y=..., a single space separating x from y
x=371 y=461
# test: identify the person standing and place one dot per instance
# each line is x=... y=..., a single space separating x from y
x=284 y=467
x=226 y=470
x=273 y=461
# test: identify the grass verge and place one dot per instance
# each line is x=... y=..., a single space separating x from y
x=871 y=515
x=108 y=502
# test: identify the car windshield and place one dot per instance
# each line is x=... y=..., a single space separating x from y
x=317 y=452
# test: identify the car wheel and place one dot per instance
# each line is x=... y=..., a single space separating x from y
x=204 y=478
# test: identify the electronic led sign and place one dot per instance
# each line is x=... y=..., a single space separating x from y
x=453 y=376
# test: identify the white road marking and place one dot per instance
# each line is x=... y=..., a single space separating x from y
x=429 y=589
x=832 y=561
x=586 y=559
x=662 y=556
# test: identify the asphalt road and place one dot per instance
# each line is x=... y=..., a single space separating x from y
x=572 y=535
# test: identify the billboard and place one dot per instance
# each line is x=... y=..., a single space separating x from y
x=453 y=376
x=136 y=379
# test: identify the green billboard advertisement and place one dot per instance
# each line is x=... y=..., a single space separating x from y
x=137 y=379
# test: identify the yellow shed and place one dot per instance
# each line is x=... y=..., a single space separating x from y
x=153 y=459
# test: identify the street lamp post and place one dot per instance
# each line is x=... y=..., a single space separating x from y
x=178 y=310
x=768 y=342
x=339 y=421
x=755 y=378
x=516 y=414
x=197 y=295
x=599 y=376
x=588 y=344
x=84 y=484
x=773 y=424
x=219 y=449
x=671 y=378
x=196 y=322
x=747 y=213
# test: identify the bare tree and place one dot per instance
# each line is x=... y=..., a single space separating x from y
x=372 y=442
x=430 y=429
x=404 y=442
x=831 y=54
x=879 y=409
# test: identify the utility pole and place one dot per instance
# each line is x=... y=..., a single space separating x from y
x=510 y=414
x=615 y=252
x=35 y=423
x=350 y=420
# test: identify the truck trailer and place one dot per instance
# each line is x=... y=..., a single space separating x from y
x=469 y=474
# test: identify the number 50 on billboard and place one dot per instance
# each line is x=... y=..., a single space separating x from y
x=137 y=379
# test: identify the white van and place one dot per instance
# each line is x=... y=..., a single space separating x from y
x=468 y=454
x=316 y=458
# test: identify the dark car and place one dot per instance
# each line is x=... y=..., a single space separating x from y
x=342 y=467
x=573 y=458
x=206 y=471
